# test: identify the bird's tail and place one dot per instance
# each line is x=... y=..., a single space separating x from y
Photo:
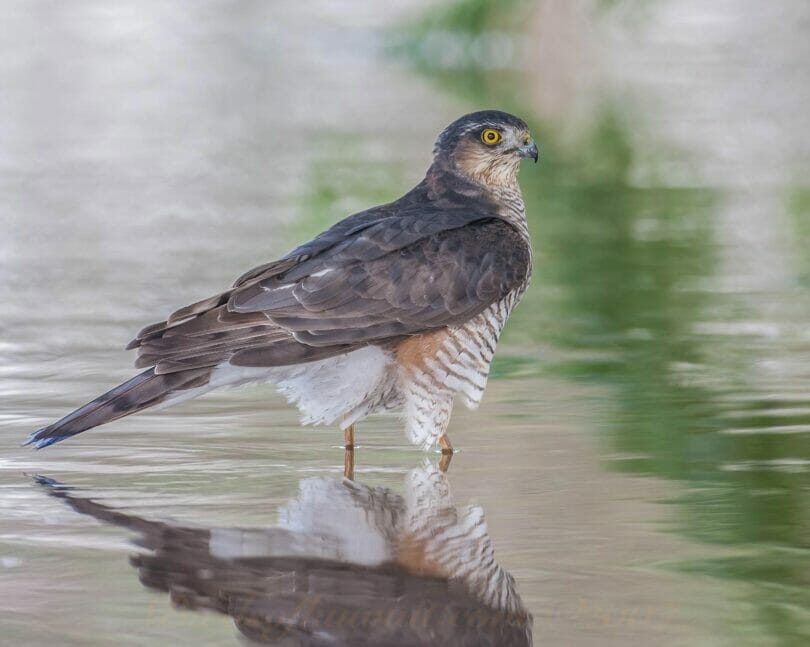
x=141 y=392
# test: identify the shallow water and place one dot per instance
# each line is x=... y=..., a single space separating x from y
x=642 y=456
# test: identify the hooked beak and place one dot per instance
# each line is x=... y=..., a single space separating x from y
x=529 y=150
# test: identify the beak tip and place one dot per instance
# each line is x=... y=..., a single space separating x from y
x=530 y=151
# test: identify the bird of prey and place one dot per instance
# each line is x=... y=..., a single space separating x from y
x=396 y=307
x=346 y=564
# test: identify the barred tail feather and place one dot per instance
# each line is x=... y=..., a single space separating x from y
x=141 y=392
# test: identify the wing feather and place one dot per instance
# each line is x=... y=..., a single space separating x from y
x=413 y=265
x=444 y=279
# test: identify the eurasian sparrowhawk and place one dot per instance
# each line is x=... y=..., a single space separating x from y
x=396 y=307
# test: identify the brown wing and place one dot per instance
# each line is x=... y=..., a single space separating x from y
x=391 y=271
x=441 y=280
x=331 y=304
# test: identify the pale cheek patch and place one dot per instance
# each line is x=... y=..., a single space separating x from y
x=487 y=167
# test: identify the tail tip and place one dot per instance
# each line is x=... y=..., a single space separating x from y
x=31 y=438
x=45 y=481
x=39 y=440
x=54 y=487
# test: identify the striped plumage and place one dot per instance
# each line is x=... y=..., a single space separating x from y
x=398 y=306
x=455 y=362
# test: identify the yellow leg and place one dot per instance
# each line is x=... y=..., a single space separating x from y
x=348 y=464
x=348 y=453
x=444 y=443
x=444 y=462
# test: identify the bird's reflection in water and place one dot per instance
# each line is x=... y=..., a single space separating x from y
x=347 y=564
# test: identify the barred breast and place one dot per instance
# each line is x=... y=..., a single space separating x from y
x=437 y=366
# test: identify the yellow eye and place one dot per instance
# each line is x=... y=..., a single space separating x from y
x=491 y=137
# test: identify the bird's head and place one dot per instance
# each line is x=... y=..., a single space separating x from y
x=486 y=147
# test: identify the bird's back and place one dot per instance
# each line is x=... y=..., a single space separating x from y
x=400 y=305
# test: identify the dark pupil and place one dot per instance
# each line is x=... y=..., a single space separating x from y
x=490 y=136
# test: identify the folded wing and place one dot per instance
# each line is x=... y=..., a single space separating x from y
x=378 y=279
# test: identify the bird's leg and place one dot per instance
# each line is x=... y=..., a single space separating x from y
x=444 y=462
x=444 y=443
x=348 y=452
x=348 y=464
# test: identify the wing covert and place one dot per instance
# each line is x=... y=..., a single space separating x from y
x=371 y=286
